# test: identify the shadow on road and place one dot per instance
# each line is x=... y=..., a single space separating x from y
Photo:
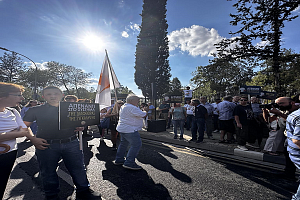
x=266 y=179
x=154 y=158
x=31 y=167
x=130 y=184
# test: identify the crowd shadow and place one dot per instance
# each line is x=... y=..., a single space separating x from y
x=156 y=160
x=87 y=150
x=130 y=184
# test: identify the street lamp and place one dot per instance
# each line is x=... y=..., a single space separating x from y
x=35 y=73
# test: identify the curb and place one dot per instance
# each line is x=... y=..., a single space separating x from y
x=228 y=149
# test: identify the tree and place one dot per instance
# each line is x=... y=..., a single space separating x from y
x=78 y=77
x=27 y=78
x=152 y=51
x=82 y=93
x=122 y=90
x=11 y=66
x=175 y=86
x=223 y=77
x=289 y=74
x=260 y=32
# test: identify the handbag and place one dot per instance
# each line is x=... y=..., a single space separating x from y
x=105 y=123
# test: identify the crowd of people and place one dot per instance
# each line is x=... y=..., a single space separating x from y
x=238 y=119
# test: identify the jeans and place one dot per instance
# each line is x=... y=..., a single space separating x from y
x=242 y=135
x=198 y=125
x=209 y=126
x=177 y=123
x=7 y=161
x=189 y=119
x=135 y=142
x=73 y=159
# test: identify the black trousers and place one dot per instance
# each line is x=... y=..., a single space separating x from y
x=7 y=161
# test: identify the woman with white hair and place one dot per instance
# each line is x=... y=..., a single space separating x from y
x=130 y=122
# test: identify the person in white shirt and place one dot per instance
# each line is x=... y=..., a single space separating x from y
x=130 y=122
x=11 y=127
x=190 y=113
x=216 y=115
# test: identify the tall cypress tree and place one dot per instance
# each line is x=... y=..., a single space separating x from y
x=152 y=50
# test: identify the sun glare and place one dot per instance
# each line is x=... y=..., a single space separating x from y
x=92 y=42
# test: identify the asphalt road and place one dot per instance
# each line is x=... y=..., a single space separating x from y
x=169 y=172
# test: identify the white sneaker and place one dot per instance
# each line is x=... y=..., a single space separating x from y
x=242 y=148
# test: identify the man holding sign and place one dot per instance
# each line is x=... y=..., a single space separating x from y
x=57 y=144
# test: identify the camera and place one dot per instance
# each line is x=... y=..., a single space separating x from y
x=269 y=106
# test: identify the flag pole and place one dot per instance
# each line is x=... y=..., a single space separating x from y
x=109 y=64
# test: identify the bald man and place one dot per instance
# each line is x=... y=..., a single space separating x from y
x=287 y=105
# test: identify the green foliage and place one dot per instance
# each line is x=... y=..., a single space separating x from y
x=71 y=78
x=82 y=93
x=175 y=87
x=11 y=66
x=205 y=90
x=27 y=78
x=67 y=76
x=152 y=51
x=289 y=73
x=222 y=77
x=122 y=90
x=260 y=24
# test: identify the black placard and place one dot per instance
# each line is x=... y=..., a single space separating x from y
x=173 y=98
x=252 y=90
x=268 y=95
x=74 y=114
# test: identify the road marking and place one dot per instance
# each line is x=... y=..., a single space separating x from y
x=177 y=149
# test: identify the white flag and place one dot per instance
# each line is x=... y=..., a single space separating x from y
x=108 y=80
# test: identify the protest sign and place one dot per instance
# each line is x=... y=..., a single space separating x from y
x=268 y=95
x=252 y=90
x=74 y=114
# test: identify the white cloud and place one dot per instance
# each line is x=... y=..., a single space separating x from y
x=134 y=27
x=41 y=66
x=125 y=34
x=131 y=29
x=262 y=43
x=196 y=40
x=297 y=10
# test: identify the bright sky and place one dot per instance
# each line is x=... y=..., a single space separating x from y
x=77 y=32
